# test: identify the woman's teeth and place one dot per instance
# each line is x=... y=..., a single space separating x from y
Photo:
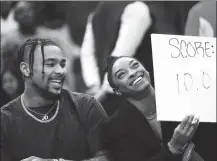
x=137 y=80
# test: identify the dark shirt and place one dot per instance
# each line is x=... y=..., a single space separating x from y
x=127 y=136
x=4 y=98
x=74 y=134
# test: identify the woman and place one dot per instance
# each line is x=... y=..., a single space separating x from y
x=133 y=132
x=11 y=83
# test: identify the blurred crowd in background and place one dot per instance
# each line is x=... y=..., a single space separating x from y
x=67 y=23
x=63 y=22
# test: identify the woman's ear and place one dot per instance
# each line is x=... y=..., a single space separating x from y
x=24 y=68
x=117 y=92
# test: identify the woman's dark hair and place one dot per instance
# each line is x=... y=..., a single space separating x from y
x=32 y=43
x=110 y=63
x=11 y=66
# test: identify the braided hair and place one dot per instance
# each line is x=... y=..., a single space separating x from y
x=32 y=43
x=110 y=63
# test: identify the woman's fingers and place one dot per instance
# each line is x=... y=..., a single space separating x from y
x=188 y=125
x=183 y=134
x=194 y=127
x=29 y=159
x=184 y=122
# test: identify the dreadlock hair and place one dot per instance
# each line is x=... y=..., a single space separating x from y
x=32 y=43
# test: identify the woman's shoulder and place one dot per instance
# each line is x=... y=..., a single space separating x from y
x=120 y=114
x=117 y=125
x=120 y=121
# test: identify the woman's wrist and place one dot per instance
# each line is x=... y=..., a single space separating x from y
x=188 y=152
x=176 y=150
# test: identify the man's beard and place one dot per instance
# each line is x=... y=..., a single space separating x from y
x=46 y=93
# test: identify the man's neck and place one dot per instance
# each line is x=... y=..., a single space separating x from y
x=146 y=104
x=32 y=98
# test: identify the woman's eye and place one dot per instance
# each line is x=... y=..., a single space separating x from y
x=135 y=65
x=120 y=75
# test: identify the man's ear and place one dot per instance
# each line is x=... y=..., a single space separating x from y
x=24 y=68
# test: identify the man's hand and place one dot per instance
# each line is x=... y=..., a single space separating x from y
x=184 y=132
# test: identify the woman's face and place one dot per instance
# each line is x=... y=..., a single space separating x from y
x=10 y=83
x=130 y=76
x=24 y=14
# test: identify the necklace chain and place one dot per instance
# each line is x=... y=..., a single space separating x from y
x=38 y=112
x=153 y=112
x=152 y=117
x=45 y=118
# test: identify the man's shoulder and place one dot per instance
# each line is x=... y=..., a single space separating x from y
x=8 y=109
x=81 y=101
x=76 y=96
x=84 y=104
x=9 y=106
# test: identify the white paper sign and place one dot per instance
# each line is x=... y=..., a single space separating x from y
x=185 y=76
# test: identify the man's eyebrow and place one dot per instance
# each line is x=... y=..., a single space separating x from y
x=50 y=59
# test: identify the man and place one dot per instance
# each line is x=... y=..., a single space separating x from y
x=26 y=20
x=47 y=122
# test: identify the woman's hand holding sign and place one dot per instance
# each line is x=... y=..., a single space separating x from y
x=184 y=133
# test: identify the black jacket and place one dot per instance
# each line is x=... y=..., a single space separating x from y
x=127 y=136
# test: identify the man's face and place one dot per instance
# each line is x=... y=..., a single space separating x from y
x=51 y=81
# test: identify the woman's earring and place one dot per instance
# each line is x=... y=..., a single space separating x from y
x=118 y=93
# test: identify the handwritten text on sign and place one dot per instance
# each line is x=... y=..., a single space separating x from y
x=185 y=76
